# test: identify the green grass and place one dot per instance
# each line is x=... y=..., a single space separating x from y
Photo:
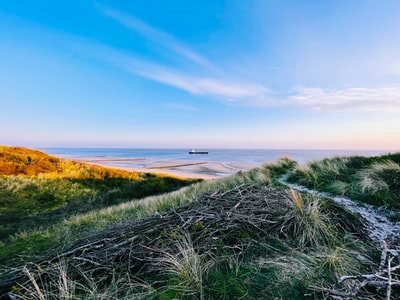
x=374 y=180
x=185 y=269
x=313 y=242
x=38 y=190
x=68 y=231
x=274 y=171
x=379 y=184
x=33 y=203
x=307 y=224
x=249 y=271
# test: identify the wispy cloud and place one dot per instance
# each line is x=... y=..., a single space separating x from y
x=228 y=90
x=215 y=84
x=231 y=90
x=158 y=36
x=204 y=85
x=244 y=93
x=350 y=99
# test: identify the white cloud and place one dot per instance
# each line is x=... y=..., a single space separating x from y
x=158 y=36
x=215 y=83
x=221 y=86
x=350 y=99
x=205 y=86
x=245 y=93
x=226 y=90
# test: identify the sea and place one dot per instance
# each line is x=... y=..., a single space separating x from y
x=256 y=156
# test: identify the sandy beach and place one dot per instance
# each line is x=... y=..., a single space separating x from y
x=182 y=168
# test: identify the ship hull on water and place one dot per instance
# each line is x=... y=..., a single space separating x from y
x=198 y=152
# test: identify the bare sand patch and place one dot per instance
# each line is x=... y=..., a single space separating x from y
x=181 y=168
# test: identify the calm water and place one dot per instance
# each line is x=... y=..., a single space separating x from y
x=215 y=155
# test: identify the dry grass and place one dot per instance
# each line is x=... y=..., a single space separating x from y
x=61 y=285
x=338 y=261
x=298 y=203
x=240 y=240
x=186 y=267
x=372 y=179
x=24 y=162
x=306 y=223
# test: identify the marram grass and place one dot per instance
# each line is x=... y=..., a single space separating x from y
x=378 y=177
x=307 y=223
x=305 y=249
x=186 y=269
x=375 y=180
x=70 y=230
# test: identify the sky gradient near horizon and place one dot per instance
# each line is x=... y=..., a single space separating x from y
x=205 y=74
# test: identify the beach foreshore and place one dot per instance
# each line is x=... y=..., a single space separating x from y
x=182 y=168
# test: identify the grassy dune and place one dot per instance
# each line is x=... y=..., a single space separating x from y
x=240 y=237
x=374 y=180
x=37 y=190
x=24 y=161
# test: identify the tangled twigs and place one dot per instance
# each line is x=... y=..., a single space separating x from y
x=217 y=221
x=383 y=284
x=220 y=218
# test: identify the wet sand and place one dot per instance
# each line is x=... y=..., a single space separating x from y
x=182 y=168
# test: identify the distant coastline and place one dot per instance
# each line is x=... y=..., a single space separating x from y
x=216 y=155
x=218 y=163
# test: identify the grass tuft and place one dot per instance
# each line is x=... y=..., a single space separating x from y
x=306 y=223
x=60 y=284
x=299 y=247
x=375 y=180
x=185 y=268
x=336 y=262
x=379 y=177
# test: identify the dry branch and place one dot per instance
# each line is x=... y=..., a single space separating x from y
x=383 y=284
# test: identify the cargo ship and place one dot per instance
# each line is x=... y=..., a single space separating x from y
x=197 y=152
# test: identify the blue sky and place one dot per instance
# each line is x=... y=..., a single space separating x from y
x=204 y=74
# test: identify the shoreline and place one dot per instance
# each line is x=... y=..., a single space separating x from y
x=197 y=169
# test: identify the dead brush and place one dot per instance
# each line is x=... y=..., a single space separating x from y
x=60 y=282
x=56 y=285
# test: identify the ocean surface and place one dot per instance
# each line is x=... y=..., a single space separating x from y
x=215 y=155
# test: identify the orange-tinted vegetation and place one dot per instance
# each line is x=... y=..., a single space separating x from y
x=38 y=190
x=23 y=161
x=20 y=161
